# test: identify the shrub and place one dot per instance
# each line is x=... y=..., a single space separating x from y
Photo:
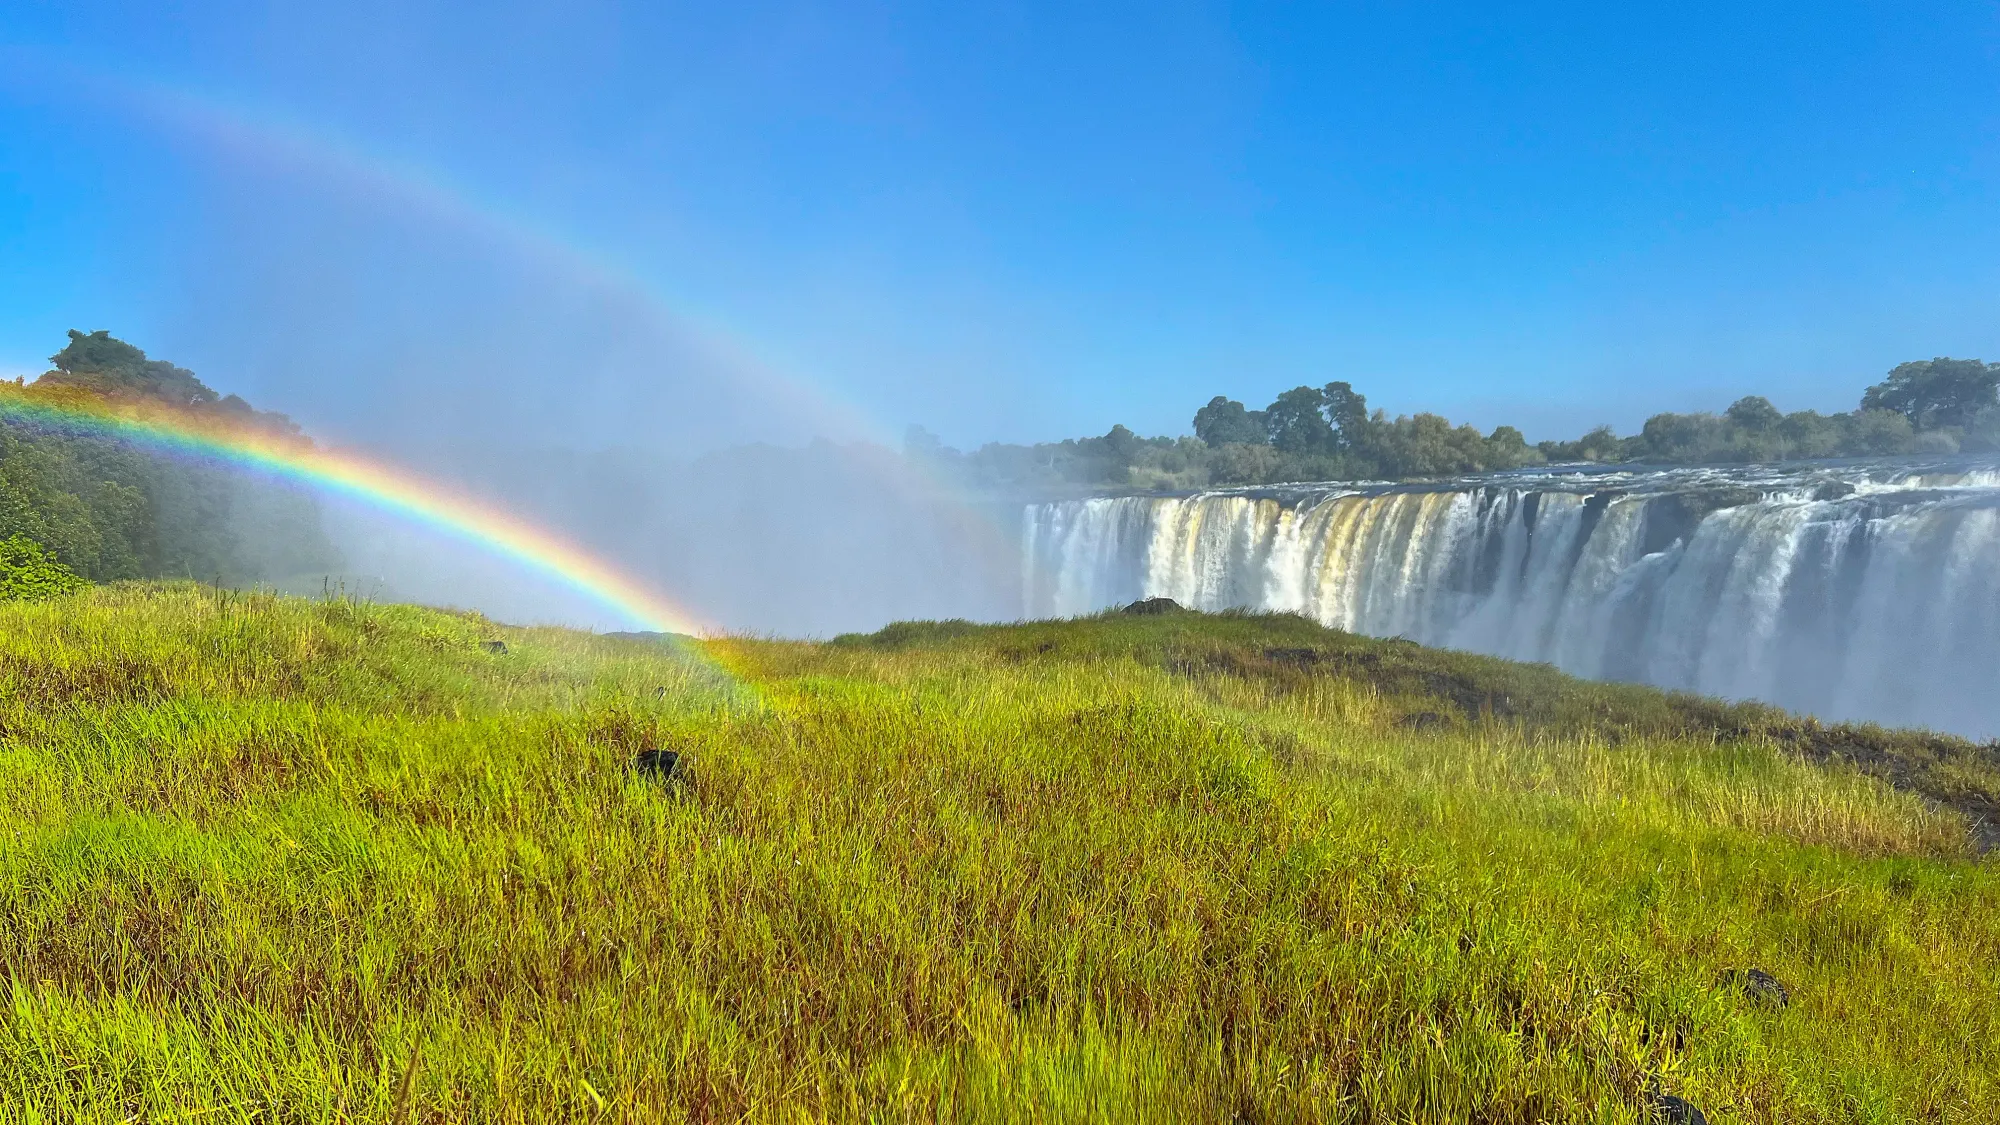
x=28 y=573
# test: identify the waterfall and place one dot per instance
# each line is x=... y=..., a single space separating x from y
x=1851 y=594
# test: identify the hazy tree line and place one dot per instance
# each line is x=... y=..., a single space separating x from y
x=108 y=509
x=1328 y=433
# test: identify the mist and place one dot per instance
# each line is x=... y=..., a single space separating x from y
x=395 y=319
x=808 y=541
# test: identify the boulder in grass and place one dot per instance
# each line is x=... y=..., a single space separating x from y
x=665 y=766
x=1153 y=607
x=1760 y=986
x=1673 y=1110
x=497 y=648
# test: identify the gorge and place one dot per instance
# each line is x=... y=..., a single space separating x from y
x=1847 y=591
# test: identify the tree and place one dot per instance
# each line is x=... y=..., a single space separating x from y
x=1678 y=437
x=1934 y=393
x=100 y=362
x=1245 y=463
x=108 y=509
x=1296 y=424
x=1427 y=445
x=1600 y=444
x=1347 y=414
x=1983 y=434
x=1879 y=433
x=1506 y=448
x=1808 y=433
x=1224 y=422
x=1753 y=413
x=1936 y=406
x=1122 y=444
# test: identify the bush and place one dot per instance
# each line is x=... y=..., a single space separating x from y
x=27 y=573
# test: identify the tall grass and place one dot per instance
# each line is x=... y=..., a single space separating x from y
x=279 y=860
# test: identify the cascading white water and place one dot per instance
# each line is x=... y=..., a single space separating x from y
x=1851 y=594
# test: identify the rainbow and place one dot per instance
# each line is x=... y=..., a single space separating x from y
x=370 y=481
x=291 y=147
x=294 y=149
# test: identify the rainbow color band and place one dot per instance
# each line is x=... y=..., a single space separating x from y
x=373 y=482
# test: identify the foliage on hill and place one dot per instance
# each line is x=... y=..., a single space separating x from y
x=327 y=862
x=27 y=573
x=1932 y=406
x=110 y=510
x=1929 y=406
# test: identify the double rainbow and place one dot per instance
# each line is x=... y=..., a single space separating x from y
x=370 y=481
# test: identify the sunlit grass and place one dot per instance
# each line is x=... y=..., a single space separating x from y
x=269 y=859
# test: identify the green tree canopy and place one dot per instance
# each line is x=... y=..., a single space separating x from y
x=1879 y=433
x=108 y=508
x=104 y=365
x=1225 y=422
x=1753 y=413
x=1296 y=423
x=1427 y=445
x=100 y=362
x=1934 y=393
x=1347 y=414
x=1933 y=406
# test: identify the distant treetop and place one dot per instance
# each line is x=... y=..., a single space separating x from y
x=106 y=508
x=100 y=362
x=1938 y=393
x=1327 y=433
x=104 y=365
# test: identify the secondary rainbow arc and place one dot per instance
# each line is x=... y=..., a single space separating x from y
x=379 y=484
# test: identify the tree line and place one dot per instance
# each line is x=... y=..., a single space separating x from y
x=1328 y=433
x=108 y=509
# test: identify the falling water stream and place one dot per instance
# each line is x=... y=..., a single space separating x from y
x=1846 y=591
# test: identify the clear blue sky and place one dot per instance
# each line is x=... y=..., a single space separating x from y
x=1014 y=223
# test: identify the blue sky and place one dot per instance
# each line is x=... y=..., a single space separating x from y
x=1013 y=223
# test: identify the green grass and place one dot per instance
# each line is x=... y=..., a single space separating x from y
x=280 y=860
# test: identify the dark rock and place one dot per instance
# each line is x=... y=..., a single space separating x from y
x=1833 y=490
x=1723 y=496
x=497 y=648
x=1676 y=1111
x=1153 y=606
x=1673 y=517
x=665 y=766
x=1760 y=986
x=1423 y=720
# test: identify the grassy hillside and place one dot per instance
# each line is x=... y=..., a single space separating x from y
x=282 y=860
